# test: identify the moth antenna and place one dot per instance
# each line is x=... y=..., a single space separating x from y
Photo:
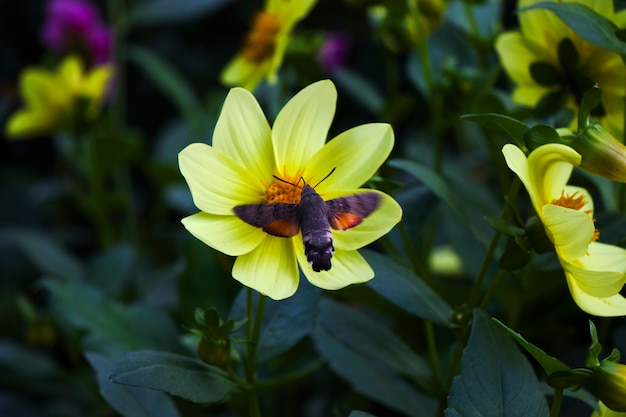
x=327 y=175
x=287 y=182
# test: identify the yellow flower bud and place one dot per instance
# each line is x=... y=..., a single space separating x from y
x=609 y=384
x=602 y=154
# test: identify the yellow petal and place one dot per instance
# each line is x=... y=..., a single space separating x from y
x=301 y=127
x=241 y=73
x=602 y=272
x=288 y=14
x=516 y=56
x=30 y=123
x=270 y=269
x=348 y=267
x=542 y=27
x=570 y=230
x=40 y=90
x=217 y=183
x=227 y=234
x=243 y=133
x=95 y=83
x=550 y=167
x=356 y=154
x=70 y=73
x=376 y=225
x=613 y=306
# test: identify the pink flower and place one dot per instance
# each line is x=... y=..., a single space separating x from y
x=333 y=53
x=76 y=24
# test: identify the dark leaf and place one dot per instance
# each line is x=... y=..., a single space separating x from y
x=512 y=127
x=47 y=255
x=589 y=25
x=126 y=400
x=496 y=379
x=368 y=364
x=176 y=374
x=159 y=12
x=406 y=290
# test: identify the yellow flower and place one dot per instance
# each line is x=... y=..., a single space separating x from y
x=550 y=63
x=50 y=96
x=595 y=271
x=239 y=168
x=264 y=47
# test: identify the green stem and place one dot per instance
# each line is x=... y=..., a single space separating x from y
x=417 y=261
x=96 y=205
x=253 y=331
x=493 y=245
x=433 y=356
x=492 y=289
x=556 y=403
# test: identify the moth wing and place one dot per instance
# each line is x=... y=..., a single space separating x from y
x=276 y=219
x=349 y=211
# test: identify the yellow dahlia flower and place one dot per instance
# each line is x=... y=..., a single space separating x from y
x=595 y=271
x=50 y=96
x=551 y=64
x=251 y=163
x=264 y=47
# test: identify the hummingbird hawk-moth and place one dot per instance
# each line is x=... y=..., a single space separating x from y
x=314 y=217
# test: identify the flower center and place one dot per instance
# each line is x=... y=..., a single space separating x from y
x=284 y=190
x=575 y=202
x=261 y=40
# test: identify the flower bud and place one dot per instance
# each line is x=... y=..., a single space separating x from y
x=609 y=384
x=602 y=154
x=537 y=235
x=215 y=352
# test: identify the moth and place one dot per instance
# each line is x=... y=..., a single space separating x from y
x=314 y=217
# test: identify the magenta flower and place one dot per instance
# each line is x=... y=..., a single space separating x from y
x=75 y=25
x=333 y=53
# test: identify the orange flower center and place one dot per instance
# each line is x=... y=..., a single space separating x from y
x=575 y=202
x=284 y=189
x=261 y=40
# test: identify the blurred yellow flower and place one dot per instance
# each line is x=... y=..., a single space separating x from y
x=552 y=66
x=265 y=44
x=239 y=168
x=50 y=96
x=595 y=272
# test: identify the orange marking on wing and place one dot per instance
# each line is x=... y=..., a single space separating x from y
x=343 y=221
x=282 y=228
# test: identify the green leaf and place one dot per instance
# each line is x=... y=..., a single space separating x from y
x=540 y=135
x=512 y=127
x=159 y=12
x=109 y=270
x=165 y=77
x=589 y=25
x=47 y=255
x=496 y=379
x=363 y=352
x=406 y=290
x=360 y=89
x=366 y=337
x=360 y=414
x=591 y=99
x=126 y=400
x=110 y=327
x=439 y=186
x=176 y=374
x=504 y=227
x=285 y=322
